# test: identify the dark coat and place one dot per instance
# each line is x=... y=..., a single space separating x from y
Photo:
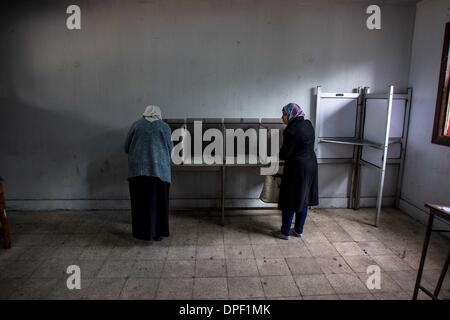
x=299 y=185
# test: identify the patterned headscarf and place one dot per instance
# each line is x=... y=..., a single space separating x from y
x=293 y=111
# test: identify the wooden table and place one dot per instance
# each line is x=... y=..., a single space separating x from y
x=443 y=212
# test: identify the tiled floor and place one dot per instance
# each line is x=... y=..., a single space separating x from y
x=203 y=260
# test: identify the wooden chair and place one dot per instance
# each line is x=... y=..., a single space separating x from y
x=5 y=231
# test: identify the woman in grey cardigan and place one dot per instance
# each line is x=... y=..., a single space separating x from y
x=149 y=146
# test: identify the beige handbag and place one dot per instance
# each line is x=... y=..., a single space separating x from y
x=271 y=189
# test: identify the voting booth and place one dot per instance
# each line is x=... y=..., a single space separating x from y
x=367 y=133
x=196 y=162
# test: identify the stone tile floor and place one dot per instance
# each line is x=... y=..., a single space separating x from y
x=203 y=260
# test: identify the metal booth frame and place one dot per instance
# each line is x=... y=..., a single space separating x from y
x=222 y=168
x=359 y=142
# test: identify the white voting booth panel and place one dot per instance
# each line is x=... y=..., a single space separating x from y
x=333 y=151
x=368 y=131
x=376 y=113
x=370 y=177
x=371 y=183
x=397 y=118
x=335 y=180
x=395 y=151
x=337 y=119
x=375 y=156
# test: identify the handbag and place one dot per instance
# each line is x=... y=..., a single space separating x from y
x=271 y=189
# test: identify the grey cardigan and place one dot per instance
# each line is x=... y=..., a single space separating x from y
x=149 y=145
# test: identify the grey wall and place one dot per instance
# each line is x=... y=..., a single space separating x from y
x=68 y=97
x=427 y=165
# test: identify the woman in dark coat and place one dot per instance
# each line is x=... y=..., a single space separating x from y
x=149 y=146
x=299 y=184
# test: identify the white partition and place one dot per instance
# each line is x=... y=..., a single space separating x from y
x=370 y=186
x=372 y=156
x=397 y=118
x=375 y=126
x=395 y=151
x=335 y=180
x=371 y=182
x=370 y=131
x=337 y=118
x=375 y=156
x=376 y=114
x=334 y=151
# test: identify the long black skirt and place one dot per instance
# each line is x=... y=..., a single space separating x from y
x=299 y=185
x=149 y=207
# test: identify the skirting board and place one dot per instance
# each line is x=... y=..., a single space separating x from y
x=124 y=204
x=422 y=216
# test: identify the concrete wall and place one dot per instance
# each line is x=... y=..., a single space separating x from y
x=427 y=165
x=68 y=97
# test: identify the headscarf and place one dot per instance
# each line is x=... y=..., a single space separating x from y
x=293 y=111
x=152 y=113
